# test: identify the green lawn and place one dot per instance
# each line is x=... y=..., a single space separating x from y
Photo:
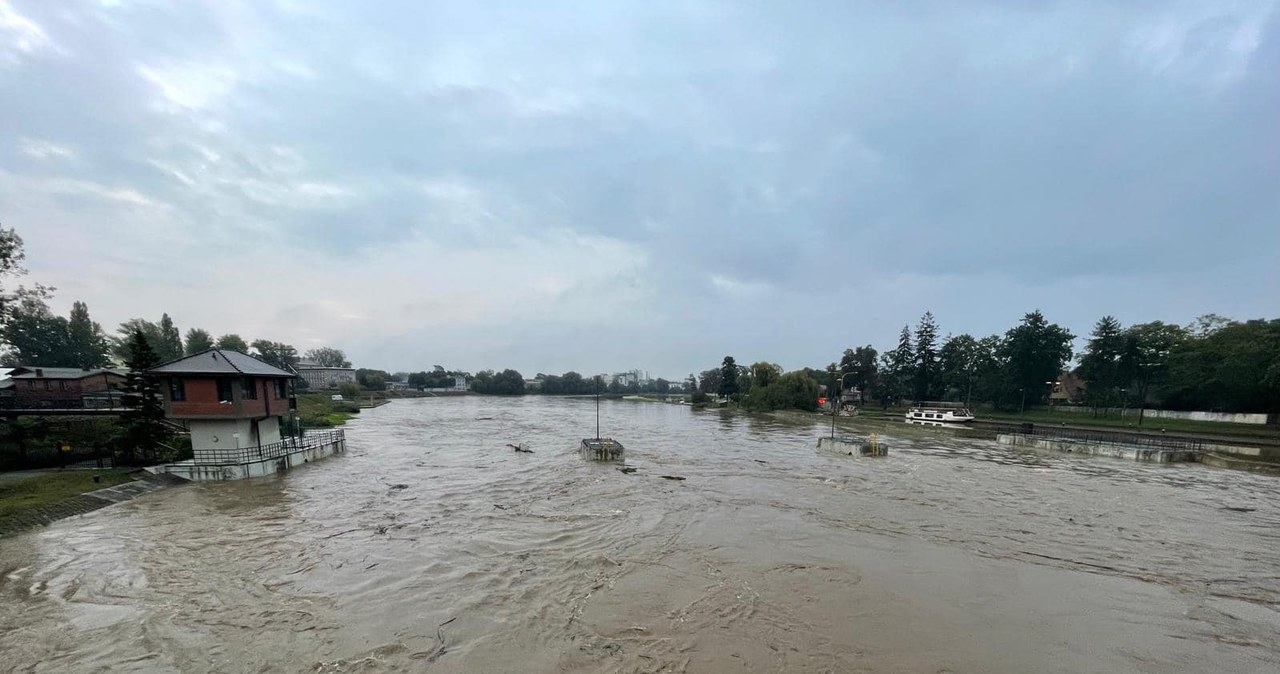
x=33 y=492
x=317 y=410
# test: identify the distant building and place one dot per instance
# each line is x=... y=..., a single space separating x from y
x=1068 y=389
x=37 y=387
x=637 y=377
x=321 y=377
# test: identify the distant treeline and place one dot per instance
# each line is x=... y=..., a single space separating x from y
x=1212 y=364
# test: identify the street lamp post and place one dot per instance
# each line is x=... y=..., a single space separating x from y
x=1051 y=385
x=835 y=403
x=1124 y=403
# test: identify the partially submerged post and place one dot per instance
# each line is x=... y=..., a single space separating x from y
x=850 y=445
x=598 y=448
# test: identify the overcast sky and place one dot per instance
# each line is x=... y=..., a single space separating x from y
x=601 y=186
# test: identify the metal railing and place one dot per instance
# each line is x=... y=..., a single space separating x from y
x=1119 y=438
x=88 y=401
x=275 y=450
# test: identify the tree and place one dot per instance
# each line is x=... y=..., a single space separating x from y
x=327 y=357
x=964 y=361
x=899 y=369
x=662 y=386
x=34 y=335
x=728 y=378
x=144 y=429
x=765 y=374
x=1234 y=368
x=88 y=347
x=150 y=332
x=11 y=253
x=1100 y=365
x=232 y=342
x=925 y=361
x=1148 y=350
x=373 y=380
x=507 y=382
x=709 y=381
x=793 y=390
x=277 y=354
x=170 y=347
x=198 y=340
x=418 y=379
x=1033 y=352
x=860 y=365
x=1207 y=324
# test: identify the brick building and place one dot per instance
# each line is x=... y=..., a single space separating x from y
x=36 y=387
x=229 y=401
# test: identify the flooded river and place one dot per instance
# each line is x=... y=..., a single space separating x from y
x=430 y=546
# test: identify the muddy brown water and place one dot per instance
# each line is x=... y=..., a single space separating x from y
x=431 y=546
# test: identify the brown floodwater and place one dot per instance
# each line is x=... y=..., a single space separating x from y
x=431 y=546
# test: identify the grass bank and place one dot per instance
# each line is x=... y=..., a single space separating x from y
x=318 y=410
x=19 y=496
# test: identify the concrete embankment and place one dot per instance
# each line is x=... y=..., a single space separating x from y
x=1143 y=454
x=86 y=503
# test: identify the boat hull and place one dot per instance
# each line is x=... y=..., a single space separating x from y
x=947 y=417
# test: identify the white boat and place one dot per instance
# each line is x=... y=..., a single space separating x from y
x=955 y=413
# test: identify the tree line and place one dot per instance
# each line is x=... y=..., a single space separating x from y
x=1214 y=364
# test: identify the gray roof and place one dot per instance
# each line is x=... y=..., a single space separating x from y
x=61 y=372
x=220 y=361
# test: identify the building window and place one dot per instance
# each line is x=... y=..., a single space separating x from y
x=62 y=386
x=47 y=385
x=249 y=389
x=224 y=390
x=281 y=390
x=177 y=389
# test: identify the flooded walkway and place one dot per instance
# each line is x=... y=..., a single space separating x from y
x=432 y=546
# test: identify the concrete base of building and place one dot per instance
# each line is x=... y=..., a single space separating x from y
x=199 y=471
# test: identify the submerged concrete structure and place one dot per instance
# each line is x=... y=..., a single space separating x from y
x=1102 y=448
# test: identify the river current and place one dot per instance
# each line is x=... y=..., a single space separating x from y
x=431 y=546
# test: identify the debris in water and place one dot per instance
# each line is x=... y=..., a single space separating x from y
x=448 y=621
x=1239 y=509
x=520 y=448
x=759 y=461
x=399 y=486
x=628 y=469
x=500 y=507
x=671 y=477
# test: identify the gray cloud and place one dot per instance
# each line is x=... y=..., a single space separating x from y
x=535 y=185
